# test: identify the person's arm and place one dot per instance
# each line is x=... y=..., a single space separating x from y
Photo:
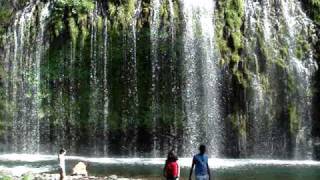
x=178 y=170
x=208 y=168
x=164 y=170
x=191 y=170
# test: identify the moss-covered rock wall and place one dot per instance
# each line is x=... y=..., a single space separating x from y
x=99 y=49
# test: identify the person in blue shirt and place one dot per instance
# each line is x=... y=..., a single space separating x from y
x=200 y=161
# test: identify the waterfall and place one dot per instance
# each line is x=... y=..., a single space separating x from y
x=99 y=85
x=258 y=14
x=154 y=31
x=302 y=69
x=298 y=70
x=94 y=84
x=174 y=77
x=105 y=87
x=132 y=81
x=73 y=110
x=201 y=93
x=23 y=55
x=135 y=78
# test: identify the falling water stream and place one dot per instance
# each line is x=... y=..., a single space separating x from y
x=88 y=92
x=201 y=93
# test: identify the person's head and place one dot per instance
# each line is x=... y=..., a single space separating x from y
x=62 y=151
x=172 y=156
x=202 y=149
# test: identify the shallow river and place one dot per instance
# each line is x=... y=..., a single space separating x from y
x=151 y=168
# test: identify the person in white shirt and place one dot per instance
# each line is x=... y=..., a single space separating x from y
x=62 y=164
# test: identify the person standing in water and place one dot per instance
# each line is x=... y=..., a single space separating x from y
x=62 y=164
x=171 y=168
x=202 y=170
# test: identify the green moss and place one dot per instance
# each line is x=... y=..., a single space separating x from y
x=74 y=31
x=229 y=36
x=239 y=122
x=145 y=13
x=235 y=57
x=176 y=10
x=75 y=6
x=264 y=80
x=313 y=9
x=291 y=83
x=241 y=77
x=100 y=23
x=58 y=27
x=284 y=51
x=83 y=24
x=112 y=9
x=237 y=39
x=27 y=177
x=5 y=177
x=294 y=119
x=6 y=14
x=75 y=11
x=299 y=53
x=302 y=47
x=84 y=35
x=164 y=14
x=121 y=15
x=280 y=63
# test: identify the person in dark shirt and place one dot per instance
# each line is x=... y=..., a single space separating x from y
x=200 y=162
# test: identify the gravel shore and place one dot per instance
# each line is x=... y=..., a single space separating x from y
x=45 y=176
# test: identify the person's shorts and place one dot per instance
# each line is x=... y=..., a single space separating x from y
x=203 y=177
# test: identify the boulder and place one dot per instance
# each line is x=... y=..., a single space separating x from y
x=113 y=177
x=80 y=169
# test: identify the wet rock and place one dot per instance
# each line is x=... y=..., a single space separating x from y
x=80 y=169
x=113 y=177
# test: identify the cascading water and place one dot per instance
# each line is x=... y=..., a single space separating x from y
x=257 y=14
x=95 y=82
x=174 y=74
x=262 y=31
x=154 y=36
x=99 y=88
x=23 y=55
x=131 y=80
x=201 y=93
x=137 y=79
x=105 y=87
x=302 y=69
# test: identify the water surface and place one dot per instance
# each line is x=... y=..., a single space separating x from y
x=151 y=168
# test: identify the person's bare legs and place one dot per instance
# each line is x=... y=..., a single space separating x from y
x=62 y=174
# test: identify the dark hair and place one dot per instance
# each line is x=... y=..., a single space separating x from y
x=172 y=157
x=202 y=148
x=62 y=151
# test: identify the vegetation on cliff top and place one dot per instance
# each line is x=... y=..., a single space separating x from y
x=313 y=9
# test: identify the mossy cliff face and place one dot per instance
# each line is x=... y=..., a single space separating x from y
x=262 y=75
x=312 y=8
x=95 y=76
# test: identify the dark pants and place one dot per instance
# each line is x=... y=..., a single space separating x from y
x=172 y=178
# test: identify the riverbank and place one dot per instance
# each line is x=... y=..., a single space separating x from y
x=47 y=176
x=19 y=165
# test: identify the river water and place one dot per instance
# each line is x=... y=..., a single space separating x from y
x=151 y=168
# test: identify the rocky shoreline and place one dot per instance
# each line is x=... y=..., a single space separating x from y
x=47 y=176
